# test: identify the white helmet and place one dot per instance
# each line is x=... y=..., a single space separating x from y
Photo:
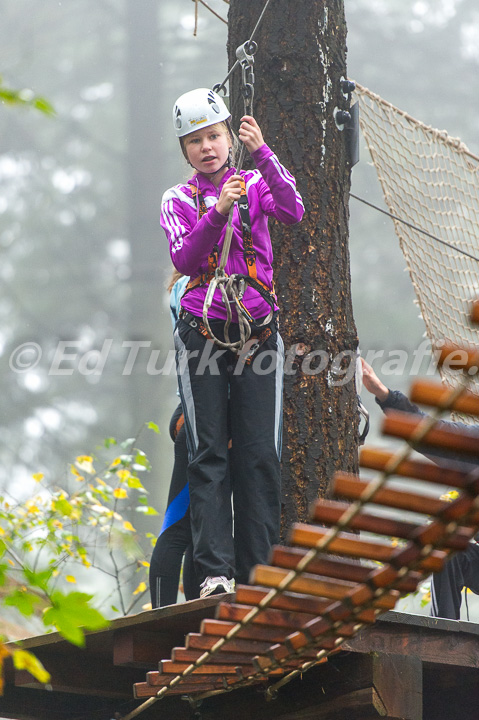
x=198 y=109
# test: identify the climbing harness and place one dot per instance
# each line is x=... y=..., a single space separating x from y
x=233 y=287
x=237 y=283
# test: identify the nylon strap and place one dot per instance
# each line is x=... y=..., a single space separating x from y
x=204 y=278
x=232 y=287
x=249 y=253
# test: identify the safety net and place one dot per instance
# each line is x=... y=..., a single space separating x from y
x=430 y=183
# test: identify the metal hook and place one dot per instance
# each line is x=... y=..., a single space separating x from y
x=245 y=53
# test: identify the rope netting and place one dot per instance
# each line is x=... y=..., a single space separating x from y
x=431 y=181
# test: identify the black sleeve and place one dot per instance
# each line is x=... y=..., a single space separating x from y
x=396 y=400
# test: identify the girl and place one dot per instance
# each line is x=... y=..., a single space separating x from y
x=174 y=540
x=194 y=216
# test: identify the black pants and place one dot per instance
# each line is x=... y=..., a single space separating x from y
x=175 y=536
x=208 y=377
x=462 y=570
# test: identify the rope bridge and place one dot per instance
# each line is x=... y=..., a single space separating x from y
x=430 y=183
x=315 y=594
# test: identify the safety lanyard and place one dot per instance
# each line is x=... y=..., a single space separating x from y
x=249 y=253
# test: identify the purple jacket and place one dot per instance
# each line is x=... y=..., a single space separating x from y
x=271 y=191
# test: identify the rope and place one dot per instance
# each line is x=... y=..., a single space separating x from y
x=222 y=86
x=343 y=523
x=231 y=287
x=415 y=227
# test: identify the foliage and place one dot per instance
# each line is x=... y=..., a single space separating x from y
x=74 y=531
x=24 y=97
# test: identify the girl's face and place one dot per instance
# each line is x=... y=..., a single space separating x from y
x=207 y=149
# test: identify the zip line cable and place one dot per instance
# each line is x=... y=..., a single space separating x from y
x=415 y=227
x=221 y=86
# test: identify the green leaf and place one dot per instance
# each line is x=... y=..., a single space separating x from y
x=142 y=460
x=153 y=426
x=71 y=614
x=134 y=482
x=43 y=105
x=39 y=579
x=108 y=442
x=146 y=510
x=22 y=600
x=64 y=507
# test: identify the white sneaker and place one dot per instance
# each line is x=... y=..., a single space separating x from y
x=216 y=586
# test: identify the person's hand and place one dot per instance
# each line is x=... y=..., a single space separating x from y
x=372 y=383
x=250 y=133
x=230 y=192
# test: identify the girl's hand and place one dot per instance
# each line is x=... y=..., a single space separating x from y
x=250 y=133
x=230 y=192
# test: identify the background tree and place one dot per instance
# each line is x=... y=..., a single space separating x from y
x=300 y=62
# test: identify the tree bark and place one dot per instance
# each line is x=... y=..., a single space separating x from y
x=299 y=64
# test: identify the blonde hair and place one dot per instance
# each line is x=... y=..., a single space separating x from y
x=225 y=127
x=174 y=277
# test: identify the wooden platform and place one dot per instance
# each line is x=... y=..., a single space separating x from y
x=405 y=667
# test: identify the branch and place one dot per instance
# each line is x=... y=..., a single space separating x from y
x=211 y=11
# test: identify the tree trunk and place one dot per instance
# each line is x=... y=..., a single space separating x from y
x=300 y=61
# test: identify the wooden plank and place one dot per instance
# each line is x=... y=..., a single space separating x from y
x=347 y=544
x=398 y=681
x=423 y=641
x=190 y=656
x=71 y=674
x=252 y=595
x=169 y=619
x=289 y=558
x=330 y=512
x=474 y=315
x=363 y=704
x=139 y=648
x=197 y=641
x=458 y=357
x=183 y=655
x=221 y=628
x=435 y=394
x=270 y=617
x=378 y=459
x=315 y=585
x=144 y=690
x=303 y=603
x=461 y=509
x=350 y=487
x=168 y=667
x=404 y=425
